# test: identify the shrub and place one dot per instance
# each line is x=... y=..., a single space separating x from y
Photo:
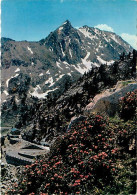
x=81 y=159
x=128 y=105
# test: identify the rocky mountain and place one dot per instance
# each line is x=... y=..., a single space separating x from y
x=87 y=45
x=52 y=64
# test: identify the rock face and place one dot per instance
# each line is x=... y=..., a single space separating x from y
x=107 y=103
x=66 y=43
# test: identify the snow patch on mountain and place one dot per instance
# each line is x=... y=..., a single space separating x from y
x=61 y=28
x=38 y=87
x=60 y=77
x=6 y=93
x=50 y=80
x=17 y=70
x=86 y=33
x=66 y=63
x=81 y=68
x=114 y=38
x=17 y=100
x=101 y=60
x=58 y=65
x=106 y=39
x=64 y=23
x=41 y=74
x=110 y=62
x=41 y=95
x=86 y=62
x=100 y=46
x=29 y=49
x=104 y=62
x=62 y=50
x=70 y=53
x=7 y=82
x=69 y=74
x=48 y=72
x=15 y=75
x=95 y=64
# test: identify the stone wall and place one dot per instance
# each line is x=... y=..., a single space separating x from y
x=17 y=161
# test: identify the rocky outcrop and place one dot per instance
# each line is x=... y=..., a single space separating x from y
x=107 y=102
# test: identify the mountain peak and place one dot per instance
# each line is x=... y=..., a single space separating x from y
x=66 y=25
x=65 y=28
x=85 y=26
x=67 y=22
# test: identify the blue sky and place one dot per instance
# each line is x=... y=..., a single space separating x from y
x=33 y=20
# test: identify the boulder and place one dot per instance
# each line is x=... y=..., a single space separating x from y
x=107 y=102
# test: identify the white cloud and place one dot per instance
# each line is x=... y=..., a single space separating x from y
x=131 y=39
x=104 y=27
x=61 y=1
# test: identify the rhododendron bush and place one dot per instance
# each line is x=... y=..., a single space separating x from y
x=128 y=105
x=81 y=161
